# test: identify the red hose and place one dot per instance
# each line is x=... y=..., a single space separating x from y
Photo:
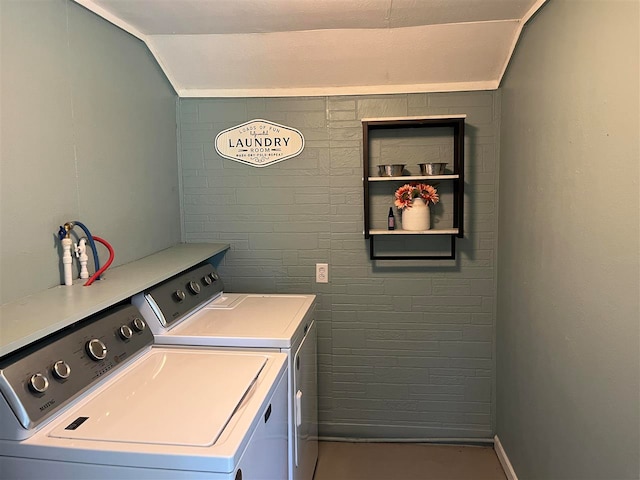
x=106 y=265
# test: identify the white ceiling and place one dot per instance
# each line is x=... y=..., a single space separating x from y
x=225 y=48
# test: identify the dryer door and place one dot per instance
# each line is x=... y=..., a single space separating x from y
x=306 y=406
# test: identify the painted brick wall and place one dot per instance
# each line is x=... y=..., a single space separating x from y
x=406 y=349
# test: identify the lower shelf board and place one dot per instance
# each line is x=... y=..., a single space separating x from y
x=434 y=231
x=413 y=245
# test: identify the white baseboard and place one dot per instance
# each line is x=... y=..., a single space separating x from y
x=504 y=460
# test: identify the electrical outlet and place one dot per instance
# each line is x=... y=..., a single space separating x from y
x=322 y=273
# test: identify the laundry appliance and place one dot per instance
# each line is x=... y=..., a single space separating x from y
x=99 y=400
x=193 y=309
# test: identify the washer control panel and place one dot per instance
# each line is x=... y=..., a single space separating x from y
x=43 y=377
x=179 y=295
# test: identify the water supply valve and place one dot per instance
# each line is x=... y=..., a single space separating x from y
x=81 y=253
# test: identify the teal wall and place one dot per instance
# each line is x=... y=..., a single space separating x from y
x=405 y=347
x=406 y=350
x=88 y=133
x=568 y=278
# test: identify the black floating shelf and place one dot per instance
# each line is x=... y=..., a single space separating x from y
x=454 y=122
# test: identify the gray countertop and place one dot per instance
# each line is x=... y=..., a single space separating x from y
x=33 y=317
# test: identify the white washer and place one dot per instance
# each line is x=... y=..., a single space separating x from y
x=193 y=309
x=101 y=401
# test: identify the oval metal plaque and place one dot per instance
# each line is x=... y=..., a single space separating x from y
x=259 y=143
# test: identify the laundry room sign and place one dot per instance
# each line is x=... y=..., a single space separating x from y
x=259 y=143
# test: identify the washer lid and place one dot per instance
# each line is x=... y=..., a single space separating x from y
x=247 y=316
x=168 y=397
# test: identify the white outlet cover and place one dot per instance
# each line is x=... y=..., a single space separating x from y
x=322 y=273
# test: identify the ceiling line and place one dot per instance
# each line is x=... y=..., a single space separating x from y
x=536 y=6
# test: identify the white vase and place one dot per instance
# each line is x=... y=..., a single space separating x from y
x=417 y=216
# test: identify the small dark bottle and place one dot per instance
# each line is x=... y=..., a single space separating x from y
x=391 y=220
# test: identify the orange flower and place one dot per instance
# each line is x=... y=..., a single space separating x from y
x=405 y=194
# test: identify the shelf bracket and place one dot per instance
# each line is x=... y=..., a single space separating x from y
x=450 y=256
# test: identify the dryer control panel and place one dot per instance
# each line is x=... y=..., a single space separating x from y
x=41 y=378
x=174 y=298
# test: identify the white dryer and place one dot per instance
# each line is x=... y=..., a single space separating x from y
x=192 y=309
x=100 y=401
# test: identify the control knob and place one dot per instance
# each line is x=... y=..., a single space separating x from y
x=207 y=280
x=179 y=295
x=125 y=332
x=214 y=276
x=194 y=287
x=38 y=383
x=96 y=349
x=61 y=370
x=138 y=324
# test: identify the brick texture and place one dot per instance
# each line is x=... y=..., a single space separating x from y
x=405 y=349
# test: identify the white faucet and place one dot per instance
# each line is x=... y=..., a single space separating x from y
x=81 y=253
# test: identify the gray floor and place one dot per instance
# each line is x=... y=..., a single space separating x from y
x=406 y=461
